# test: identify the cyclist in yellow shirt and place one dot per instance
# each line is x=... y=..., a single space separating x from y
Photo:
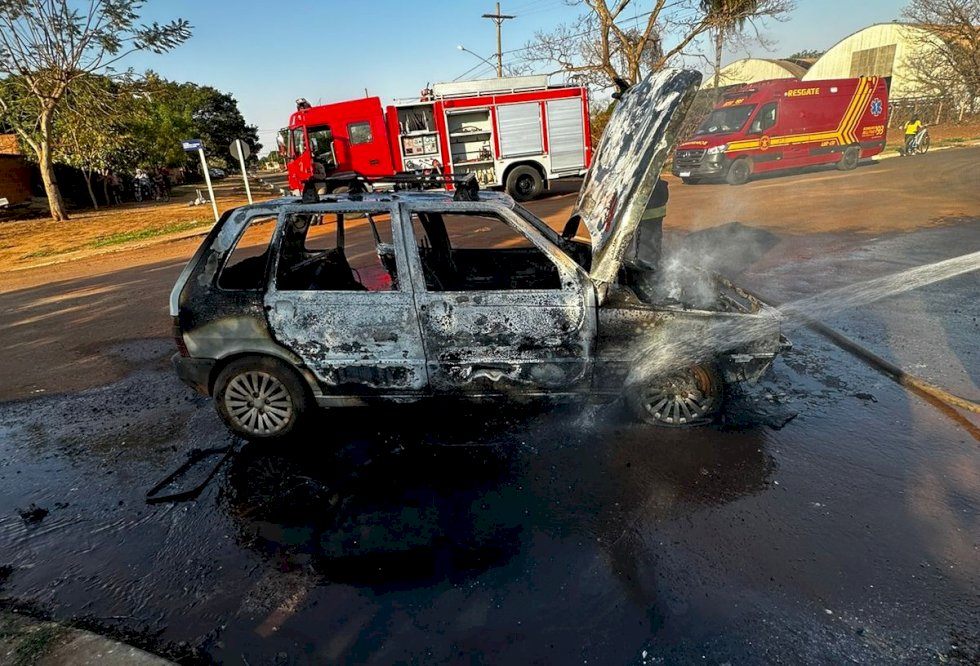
x=912 y=128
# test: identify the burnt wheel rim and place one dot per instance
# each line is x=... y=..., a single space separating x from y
x=258 y=403
x=682 y=398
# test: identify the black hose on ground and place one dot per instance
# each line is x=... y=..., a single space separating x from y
x=939 y=398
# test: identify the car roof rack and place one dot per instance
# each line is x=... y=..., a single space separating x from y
x=466 y=186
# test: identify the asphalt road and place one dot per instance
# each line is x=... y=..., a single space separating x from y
x=830 y=517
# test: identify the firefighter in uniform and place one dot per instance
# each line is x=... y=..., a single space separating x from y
x=645 y=248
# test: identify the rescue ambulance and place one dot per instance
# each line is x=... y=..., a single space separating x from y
x=784 y=124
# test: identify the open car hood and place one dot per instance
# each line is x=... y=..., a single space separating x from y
x=640 y=134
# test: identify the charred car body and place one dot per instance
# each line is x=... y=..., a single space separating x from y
x=397 y=296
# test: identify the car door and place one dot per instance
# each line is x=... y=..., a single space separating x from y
x=502 y=310
x=340 y=298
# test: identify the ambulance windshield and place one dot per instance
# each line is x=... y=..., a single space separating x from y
x=723 y=121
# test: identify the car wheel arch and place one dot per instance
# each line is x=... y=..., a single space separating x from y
x=306 y=377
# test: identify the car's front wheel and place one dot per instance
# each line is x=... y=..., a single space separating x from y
x=260 y=398
x=692 y=396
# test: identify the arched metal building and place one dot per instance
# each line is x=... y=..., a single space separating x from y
x=886 y=49
x=750 y=70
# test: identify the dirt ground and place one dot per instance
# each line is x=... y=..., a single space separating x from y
x=39 y=241
x=65 y=312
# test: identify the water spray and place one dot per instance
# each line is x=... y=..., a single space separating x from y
x=672 y=352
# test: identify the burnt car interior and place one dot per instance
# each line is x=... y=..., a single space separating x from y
x=341 y=251
x=245 y=266
x=479 y=252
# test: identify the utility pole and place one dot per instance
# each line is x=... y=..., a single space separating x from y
x=499 y=18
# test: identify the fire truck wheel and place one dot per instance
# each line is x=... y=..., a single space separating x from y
x=850 y=158
x=692 y=396
x=524 y=183
x=739 y=171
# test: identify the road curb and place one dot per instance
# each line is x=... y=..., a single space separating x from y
x=24 y=639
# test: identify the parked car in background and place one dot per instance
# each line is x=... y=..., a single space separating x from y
x=217 y=173
x=364 y=297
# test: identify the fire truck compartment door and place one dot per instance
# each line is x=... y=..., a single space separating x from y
x=566 y=134
x=635 y=144
x=519 y=129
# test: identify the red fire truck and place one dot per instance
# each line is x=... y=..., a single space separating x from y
x=515 y=132
x=786 y=123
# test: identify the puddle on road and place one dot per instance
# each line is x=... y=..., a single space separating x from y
x=561 y=532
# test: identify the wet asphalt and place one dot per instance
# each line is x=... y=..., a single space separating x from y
x=829 y=517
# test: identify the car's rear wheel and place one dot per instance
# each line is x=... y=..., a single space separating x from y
x=739 y=171
x=260 y=398
x=524 y=183
x=849 y=159
x=692 y=396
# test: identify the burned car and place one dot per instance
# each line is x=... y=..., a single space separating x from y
x=351 y=299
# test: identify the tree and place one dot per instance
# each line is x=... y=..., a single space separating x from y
x=219 y=122
x=48 y=46
x=946 y=58
x=93 y=128
x=806 y=54
x=174 y=111
x=729 y=17
x=600 y=46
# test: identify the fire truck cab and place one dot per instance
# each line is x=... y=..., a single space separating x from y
x=516 y=133
x=786 y=123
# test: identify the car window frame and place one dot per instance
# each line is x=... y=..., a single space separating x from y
x=570 y=273
x=402 y=263
x=250 y=216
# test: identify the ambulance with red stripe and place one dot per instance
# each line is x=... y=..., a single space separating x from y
x=785 y=124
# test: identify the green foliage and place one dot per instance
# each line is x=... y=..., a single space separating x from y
x=50 y=48
x=598 y=119
x=175 y=111
x=806 y=54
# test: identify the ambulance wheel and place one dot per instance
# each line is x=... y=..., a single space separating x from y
x=850 y=158
x=524 y=183
x=692 y=396
x=739 y=171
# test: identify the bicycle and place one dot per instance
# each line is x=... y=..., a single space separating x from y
x=161 y=192
x=919 y=145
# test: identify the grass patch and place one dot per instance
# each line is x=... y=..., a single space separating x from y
x=43 y=252
x=32 y=647
x=142 y=234
x=26 y=645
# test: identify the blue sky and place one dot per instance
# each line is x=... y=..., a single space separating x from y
x=268 y=54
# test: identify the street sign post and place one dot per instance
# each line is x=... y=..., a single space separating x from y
x=240 y=149
x=196 y=145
